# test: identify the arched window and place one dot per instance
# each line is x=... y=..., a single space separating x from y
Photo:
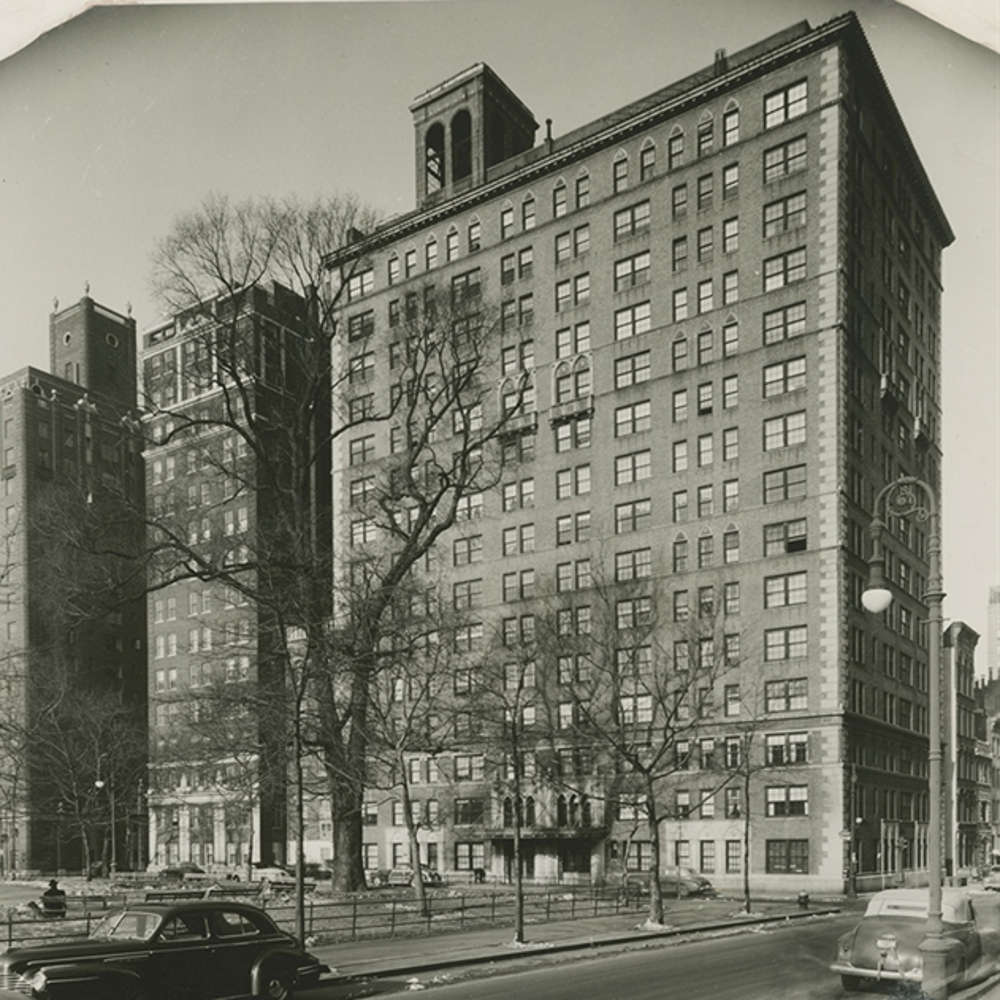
x=559 y=199
x=431 y=253
x=461 y=145
x=451 y=244
x=508 y=812
x=582 y=189
x=586 y=811
x=392 y=269
x=561 y=814
x=574 y=811
x=730 y=336
x=529 y=811
x=434 y=158
x=706 y=133
x=731 y=123
x=528 y=213
x=680 y=554
x=675 y=148
x=619 y=171
x=647 y=159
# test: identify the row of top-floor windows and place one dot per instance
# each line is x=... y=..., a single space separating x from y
x=780 y=106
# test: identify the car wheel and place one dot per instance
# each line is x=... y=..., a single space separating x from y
x=851 y=984
x=276 y=985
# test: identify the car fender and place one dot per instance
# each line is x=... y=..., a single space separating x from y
x=284 y=956
x=64 y=979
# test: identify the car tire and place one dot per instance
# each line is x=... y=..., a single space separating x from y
x=276 y=984
x=851 y=984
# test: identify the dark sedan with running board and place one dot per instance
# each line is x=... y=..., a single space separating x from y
x=156 y=951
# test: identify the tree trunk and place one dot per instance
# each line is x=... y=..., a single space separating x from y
x=518 y=877
x=300 y=836
x=419 y=892
x=653 y=825
x=85 y=842
x=345 y=807
x=746 y=841
x=250 y=832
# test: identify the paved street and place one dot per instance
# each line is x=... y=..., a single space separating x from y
x=780 y=963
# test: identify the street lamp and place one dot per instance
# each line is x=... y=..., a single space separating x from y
x=99 y=784
x=906 y=497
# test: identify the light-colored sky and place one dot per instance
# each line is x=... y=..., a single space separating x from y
x=116 y=121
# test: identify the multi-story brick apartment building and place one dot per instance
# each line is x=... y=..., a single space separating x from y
x=213 y=639
x=71 y=447
x=727 y=295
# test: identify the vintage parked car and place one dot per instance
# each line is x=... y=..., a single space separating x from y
x=182 y=870
x=154 y=950
x=274 y=874
x=404 y=876
x=992 y=880
x=884 y=946
x=674 y=881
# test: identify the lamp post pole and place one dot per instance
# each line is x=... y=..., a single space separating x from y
x=905 y=497
x=99 y=784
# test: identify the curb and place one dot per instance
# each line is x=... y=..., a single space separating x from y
x=577 y=945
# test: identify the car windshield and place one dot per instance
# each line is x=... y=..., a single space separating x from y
x=127 y=925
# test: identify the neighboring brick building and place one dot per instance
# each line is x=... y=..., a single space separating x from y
x=70 y=444
x=207 y=636
x=743 y=268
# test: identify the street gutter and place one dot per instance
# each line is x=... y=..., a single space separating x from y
x=547 y=948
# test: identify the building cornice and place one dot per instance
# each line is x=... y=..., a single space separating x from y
x=846 y=26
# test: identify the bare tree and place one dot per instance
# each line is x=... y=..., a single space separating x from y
x=633 y=687
x=270 y=388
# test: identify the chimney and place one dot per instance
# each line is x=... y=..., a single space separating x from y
x=721 y=62
x=548 y=134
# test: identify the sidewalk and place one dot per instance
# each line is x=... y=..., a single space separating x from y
x=410 y=955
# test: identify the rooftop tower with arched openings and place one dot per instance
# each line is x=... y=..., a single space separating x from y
x=464 y=126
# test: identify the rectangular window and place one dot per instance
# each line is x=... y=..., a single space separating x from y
x=564 y=247
x=634 y=565
x=680 y=456
x=730 y=444
x=784 y=269
x=706 y=450
x=787 y=857
x=784 y=376
x=632 y=320
x=631 y=271
x=785 y=537
x=730 y=287
x=631 y=221
x=705 y=188
x=679 y=253
x=680 y=404
x=633 y=516
x=730 y=495
x=781 y=324
x=785 y=214
x=791 y=643
x=474 y=235
x=730 y=391
x=783 y=105
x=705 y=244
x=734 y=852
x=469 y=856
x=633 y=467
x=706 y=296
x=559 y=201
x=785 y=430
x=528 y=214
x=632 y=369
x=706 y=347
x=679 y=201
x=786 y=748
x=731 y=180
x=730 y=235
x=680 y=304
x=787 y=800
x=784 y=590
x=785 y=484
x=680 y=556
x=680 y=506
x=705 y=398
x=573 y=340
x=788 y=158
x=634 y=418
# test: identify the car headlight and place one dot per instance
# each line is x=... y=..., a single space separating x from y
x=38 y=981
